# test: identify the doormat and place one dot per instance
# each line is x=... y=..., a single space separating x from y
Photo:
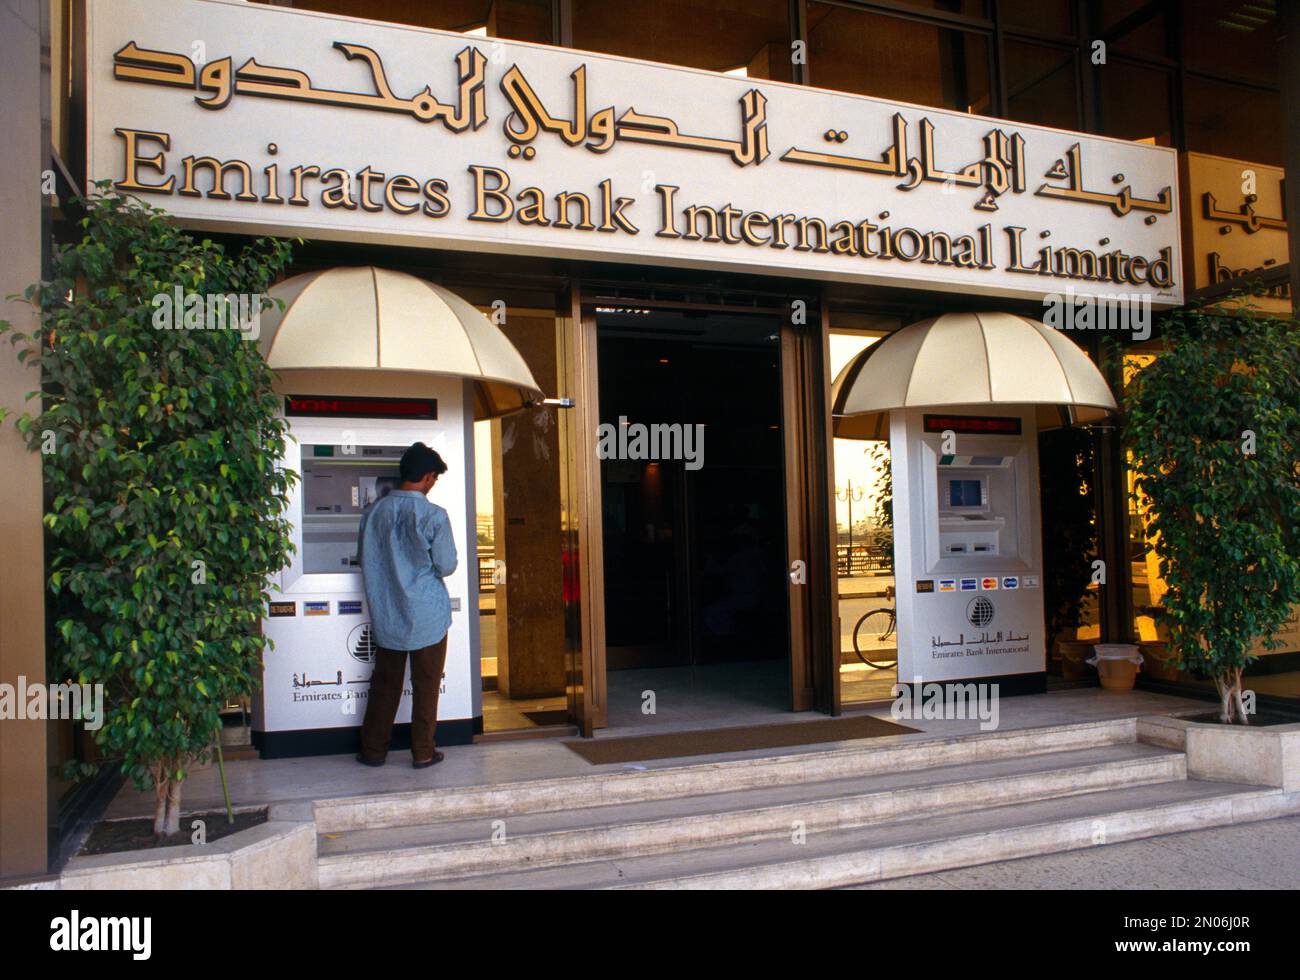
x=556 y=716
x=638 y=748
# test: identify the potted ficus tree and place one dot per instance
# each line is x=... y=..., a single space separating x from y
x=163 y=500
x=1213 y=426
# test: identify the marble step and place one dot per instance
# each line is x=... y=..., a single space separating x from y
x=507 y=841
x=665 y=779
x=897 y=849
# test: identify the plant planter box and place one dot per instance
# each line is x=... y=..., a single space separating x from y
x=1259 y=755
x=278 y=854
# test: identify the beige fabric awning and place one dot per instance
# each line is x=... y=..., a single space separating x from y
x=969 y=359
x=369 y=319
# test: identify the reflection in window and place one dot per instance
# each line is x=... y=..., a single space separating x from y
x=1231 y=38
x=1039 y=16
x=1041 y=85
x=524 y=542
x=890 y=58
x=749 y=37
x=516 y=20
x=864 y=538
x=1135 y=103
x=1232 y=121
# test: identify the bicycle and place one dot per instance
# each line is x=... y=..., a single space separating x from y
x=874 y=630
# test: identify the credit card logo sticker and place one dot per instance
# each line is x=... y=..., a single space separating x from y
x=315 y=608
x=988 y=584
x=925 y=585
x=1010 y=582
x=947 y=585
x=284 y=609
x=349 y=607
x=970 y=584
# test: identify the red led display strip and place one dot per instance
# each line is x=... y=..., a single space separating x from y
x=328 y=406
x=973 y=424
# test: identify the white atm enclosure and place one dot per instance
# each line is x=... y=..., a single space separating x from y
x=967 y=551
x=346 y=449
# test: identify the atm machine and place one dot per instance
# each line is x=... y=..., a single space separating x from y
x=967 y=552
x=345 y=449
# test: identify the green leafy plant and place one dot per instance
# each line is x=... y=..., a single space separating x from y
x=1213 y=425
x=1065 y=463
x=164 y=501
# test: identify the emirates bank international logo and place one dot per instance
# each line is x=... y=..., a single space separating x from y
x=979 y=611
x=361 y=644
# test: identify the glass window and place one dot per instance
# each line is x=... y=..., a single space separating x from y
x=1041 y=85
x=1113 y=11
x=1040 y=16
x=1150 y=39
x=745 y=37
x=1231 y=38
x=1233 y=121
x=516 y=20
x=891 y=58
x=864 y=548
x=526 y=541
x=1135 y=103
x=967 y=8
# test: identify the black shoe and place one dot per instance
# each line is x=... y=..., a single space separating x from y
x=437 y=757
x=369 y=762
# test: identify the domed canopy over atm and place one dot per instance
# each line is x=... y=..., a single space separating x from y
x=367 y=319
x=369 y=361
x=961 y=399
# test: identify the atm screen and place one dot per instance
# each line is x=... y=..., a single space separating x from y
x=338 y=483
x=965 y=493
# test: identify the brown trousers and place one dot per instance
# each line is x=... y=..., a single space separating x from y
x=386 y=696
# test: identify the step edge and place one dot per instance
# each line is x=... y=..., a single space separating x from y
x=1137 y=773
x=330 y=813
x=1227 y=799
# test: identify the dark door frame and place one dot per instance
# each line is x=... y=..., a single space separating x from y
x=806 y=433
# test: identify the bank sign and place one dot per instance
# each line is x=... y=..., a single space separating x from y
x=251 y=118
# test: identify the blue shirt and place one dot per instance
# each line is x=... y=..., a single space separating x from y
x=405 y=549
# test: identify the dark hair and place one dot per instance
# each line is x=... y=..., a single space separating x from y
x=420 y=460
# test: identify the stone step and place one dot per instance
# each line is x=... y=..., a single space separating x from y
x=666 y=779
x=459 y=848
x=896 y=849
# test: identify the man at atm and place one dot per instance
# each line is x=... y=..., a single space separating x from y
x=405 y=550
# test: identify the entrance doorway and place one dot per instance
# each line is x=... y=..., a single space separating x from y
x=693 y=517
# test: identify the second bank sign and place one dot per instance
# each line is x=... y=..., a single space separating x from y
x=248 y=118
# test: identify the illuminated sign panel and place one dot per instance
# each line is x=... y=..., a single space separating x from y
x=293 y=122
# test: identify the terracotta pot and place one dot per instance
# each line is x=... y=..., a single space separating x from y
x=1117 y=665
x=1117 y=675
x=1074 y=653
